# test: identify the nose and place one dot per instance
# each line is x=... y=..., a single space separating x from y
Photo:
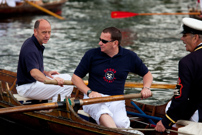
x=182 y=38
x=100 y=43
x=48 y=34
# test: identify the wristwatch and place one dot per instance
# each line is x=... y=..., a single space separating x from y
x=88 y=92
x=146 y=88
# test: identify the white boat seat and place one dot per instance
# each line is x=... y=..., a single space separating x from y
x=25 y=100
x=81 y=112
x=84 y=115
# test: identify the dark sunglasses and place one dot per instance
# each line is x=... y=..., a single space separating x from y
x=185 y=35
x=105 y=41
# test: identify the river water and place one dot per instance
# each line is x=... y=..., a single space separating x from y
x=156 y=39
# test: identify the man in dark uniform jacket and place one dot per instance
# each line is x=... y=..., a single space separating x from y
x=189 y=98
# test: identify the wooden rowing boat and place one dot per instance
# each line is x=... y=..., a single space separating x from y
x=192 y=10
x=68 y=120
x=24 y=8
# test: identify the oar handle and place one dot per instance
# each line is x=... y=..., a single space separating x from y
x=105 y=99
x=191 y=13
x=66 y=82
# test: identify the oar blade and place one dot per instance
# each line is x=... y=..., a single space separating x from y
x=122 y=14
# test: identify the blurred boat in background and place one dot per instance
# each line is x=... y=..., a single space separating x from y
x=23 y=8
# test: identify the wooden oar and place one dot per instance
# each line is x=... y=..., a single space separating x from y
x=124 y=14
x=73 y=102
x=127 y=84
x=44 y=10
x=35 y=107
x=151 y=129
x=104 y=99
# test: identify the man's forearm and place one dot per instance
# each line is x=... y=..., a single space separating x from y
x=147 y=80
x=80 y=84
x=38 y=75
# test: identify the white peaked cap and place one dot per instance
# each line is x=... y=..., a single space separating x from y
x=192 y=25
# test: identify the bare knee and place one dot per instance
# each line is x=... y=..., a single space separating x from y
x=122 y=122
x=107 y=121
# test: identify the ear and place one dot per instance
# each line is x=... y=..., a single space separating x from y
x=116 y=42
x=196 y=40
x=35 y=31
x=196 y=37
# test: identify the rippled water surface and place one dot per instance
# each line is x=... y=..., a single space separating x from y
x=156 y=39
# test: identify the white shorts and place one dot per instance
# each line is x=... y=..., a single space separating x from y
x=116 y=109
x=40 y=91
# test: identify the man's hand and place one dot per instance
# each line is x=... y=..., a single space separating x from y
x=94 y=94
x=60 y=81
x=160 y=127
x=146 y=93
x=50 y=73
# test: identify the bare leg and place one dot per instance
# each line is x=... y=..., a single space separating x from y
x=107 y=121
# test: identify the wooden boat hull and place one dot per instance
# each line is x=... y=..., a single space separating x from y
x=66 y=120
x=25 y=8
x=54 y=125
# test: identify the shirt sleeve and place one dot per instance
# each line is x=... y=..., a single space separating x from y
x=137 y=66
x=84 y=66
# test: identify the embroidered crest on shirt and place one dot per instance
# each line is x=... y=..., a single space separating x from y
x=109 y=75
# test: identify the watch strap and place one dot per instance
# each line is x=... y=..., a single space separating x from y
x=88 y=92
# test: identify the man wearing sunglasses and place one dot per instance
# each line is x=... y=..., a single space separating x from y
x=108 y=67
x=189 y=97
